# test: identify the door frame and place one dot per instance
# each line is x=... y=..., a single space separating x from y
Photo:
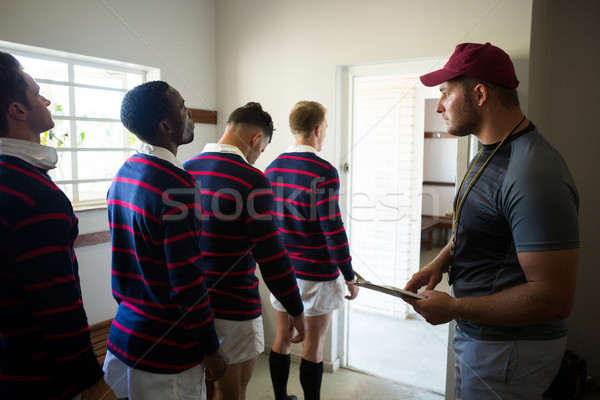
x=467 y=148
x=342 y=155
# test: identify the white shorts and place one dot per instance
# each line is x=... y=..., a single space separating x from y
x=241 y=340
x=318 y=297
x=136 y=384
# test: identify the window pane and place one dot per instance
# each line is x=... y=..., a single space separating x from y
x=63 y=170
x=133 y=140
x=56 y=135
x=101 y=134
x=67 y=189
x=97 y=103
x=100 y=77
x=58 y=96
x=133 y=80
x=93 y=191
x=99 y=164
x=44 y=69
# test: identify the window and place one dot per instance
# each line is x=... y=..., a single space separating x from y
x=86 y=97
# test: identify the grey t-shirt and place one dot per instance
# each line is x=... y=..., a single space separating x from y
x=524 y=200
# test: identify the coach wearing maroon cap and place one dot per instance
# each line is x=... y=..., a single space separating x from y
x=512 y=260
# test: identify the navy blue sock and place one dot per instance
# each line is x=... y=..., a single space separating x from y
x=311 y=375
x=279 y=366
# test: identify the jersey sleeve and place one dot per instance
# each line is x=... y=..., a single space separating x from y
x=268 y=249
x=330 y=218
x=182 y=229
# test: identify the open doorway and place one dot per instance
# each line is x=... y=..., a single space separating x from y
x=383 y=154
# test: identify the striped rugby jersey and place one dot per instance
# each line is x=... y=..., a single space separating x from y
x=306 y=189
x=45 y=347
x=238 y=231
x=164 y=323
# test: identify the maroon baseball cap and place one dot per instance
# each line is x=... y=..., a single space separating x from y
x=482 y=61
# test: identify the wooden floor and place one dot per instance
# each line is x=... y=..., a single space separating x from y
x=99 y=333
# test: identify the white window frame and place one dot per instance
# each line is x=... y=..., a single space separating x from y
x=72 y=60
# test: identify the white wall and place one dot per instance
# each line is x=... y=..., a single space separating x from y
x=565 y=53
x=177 y=37
x=437 y=200
x=439 y=164
x=433 y=120
x=439 y=160
x=279 y=52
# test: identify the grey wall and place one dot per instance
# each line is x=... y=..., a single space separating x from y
x=564 y=88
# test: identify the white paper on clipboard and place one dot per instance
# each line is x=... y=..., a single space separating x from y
x=391 y=290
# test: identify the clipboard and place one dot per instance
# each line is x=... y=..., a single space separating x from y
x=391 y=290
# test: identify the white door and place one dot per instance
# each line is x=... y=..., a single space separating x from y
x=384 y=182
x=383 y=158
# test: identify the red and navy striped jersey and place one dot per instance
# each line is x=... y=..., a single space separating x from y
x=306 y=189
x=164 y=323
x=238 y=231
x=45 y=347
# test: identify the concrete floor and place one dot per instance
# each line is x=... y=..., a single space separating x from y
x=413 y=367
x=415 y=352
x=344 y=384
x=414 y=370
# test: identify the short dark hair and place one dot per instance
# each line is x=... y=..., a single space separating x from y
x=306 y=116
x=12 y=86
x=143 y=108
x=508 y=97
x=252 y=115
